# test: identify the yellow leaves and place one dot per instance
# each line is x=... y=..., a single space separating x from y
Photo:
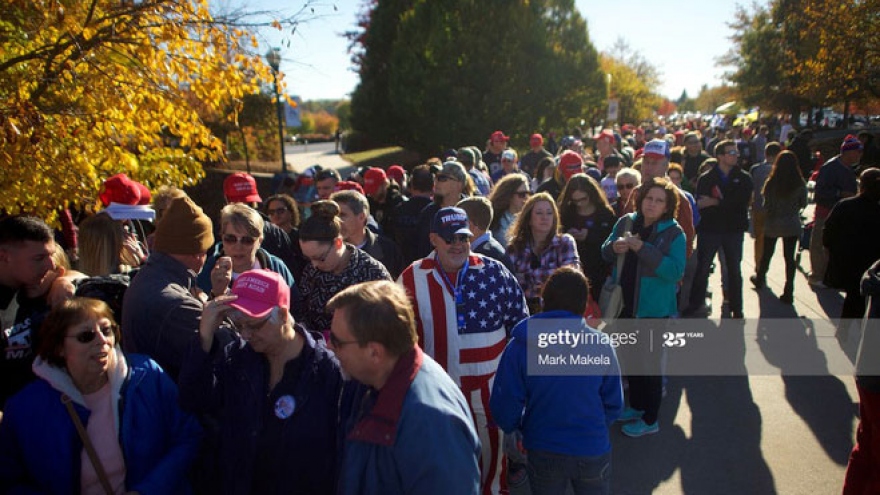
x=123 y=96
x=276 y=24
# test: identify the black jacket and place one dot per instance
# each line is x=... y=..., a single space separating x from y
x=852 y=236
x=732 y=214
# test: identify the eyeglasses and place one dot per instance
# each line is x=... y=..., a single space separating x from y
x=523 y=194
x=629 y=185
x=458 y=239
x=242 y=324
x=278 y=211
x=338 y=343
x=732 y=153
x=323 y=257
x=444 y=178
x=245 y=240
x=87 y=336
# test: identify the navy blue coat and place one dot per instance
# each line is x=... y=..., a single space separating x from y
x=229 y=385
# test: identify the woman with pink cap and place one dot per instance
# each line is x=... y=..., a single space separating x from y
x=271 y=388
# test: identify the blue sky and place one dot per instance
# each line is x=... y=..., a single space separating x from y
x=681 y=38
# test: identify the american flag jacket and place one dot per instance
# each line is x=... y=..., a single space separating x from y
x=492 y=302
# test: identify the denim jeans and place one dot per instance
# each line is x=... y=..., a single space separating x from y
x=708 y=244
x=551 y=474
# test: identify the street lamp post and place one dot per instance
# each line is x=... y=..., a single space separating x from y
x=273 y=57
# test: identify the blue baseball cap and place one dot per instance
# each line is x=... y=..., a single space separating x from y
x=450 y=221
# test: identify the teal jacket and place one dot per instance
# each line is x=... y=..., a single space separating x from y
x=661 y=266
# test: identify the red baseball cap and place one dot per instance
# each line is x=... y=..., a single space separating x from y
x=499 y=136
x=349 y=185
x=145 y=194
x=397 y=173
x=536 y=139
x=374 y=179
x=606 y=135
x=120 y=189
x=259 y=291
x=241 y=188
x=570 y=163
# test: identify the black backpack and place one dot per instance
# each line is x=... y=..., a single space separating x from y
x=108 y=288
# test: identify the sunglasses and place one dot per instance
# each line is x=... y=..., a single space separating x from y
x=87 y=336
x=339 y=343
x=458 y=239
x=732 y=153
x=245 y=240
x=626 y=186
x=278 y=211
x=444 y=178
x=523 y=194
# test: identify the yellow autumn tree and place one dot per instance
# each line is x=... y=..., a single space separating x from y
x=93 y=88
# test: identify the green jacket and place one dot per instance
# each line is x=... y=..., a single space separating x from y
x=661 y=266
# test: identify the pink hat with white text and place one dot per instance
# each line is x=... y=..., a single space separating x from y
x=259 y=291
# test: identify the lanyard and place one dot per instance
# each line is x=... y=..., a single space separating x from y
x=456 y=291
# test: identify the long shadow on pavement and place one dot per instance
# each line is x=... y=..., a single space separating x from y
x=788 y=342
x=723 y=453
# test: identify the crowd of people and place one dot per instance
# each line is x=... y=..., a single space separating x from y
x=272 y=350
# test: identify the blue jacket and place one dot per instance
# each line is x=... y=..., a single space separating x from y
x=568 y=414
x=661 y=266
x=40 y=450
x=416 y=436
x=230 y=385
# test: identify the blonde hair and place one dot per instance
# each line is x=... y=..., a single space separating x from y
x=100 y=245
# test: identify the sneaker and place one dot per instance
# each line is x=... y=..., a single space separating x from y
x=639 y=429
x=630 y=414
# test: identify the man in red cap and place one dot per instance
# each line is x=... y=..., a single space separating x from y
x=398 y=175
x=384 y=197
x=606 y=145
x=492 y=155
x=529 y=162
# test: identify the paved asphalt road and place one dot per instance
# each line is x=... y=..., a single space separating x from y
x=778 y=414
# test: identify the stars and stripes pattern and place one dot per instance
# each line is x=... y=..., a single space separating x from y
x=493 y=303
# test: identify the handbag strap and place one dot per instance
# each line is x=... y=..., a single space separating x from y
x=627 y=225
x=90 y=449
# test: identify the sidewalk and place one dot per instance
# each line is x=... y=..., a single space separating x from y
x=763 y=430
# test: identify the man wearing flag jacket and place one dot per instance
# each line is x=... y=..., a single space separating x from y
x=465 y=307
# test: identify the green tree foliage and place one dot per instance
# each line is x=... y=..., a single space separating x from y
x=711 y=98
x=636 y=100
x=792 y=54
x=97 y=87
x=449 y=72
